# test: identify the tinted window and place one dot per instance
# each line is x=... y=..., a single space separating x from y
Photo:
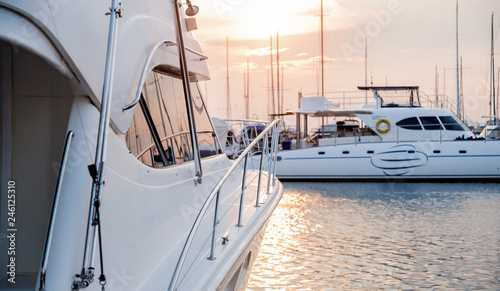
x=430 y=122
x=139 y=137
x=206 y=135
x=409 y=123
x=159 y=134
x=450 y=123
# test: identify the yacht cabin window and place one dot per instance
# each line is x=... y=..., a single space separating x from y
x=430 y=123
x=159 y=134
x=207 y=139
x=450 y=123
x=410 y=123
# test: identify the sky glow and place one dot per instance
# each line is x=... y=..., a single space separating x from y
x=407 y=40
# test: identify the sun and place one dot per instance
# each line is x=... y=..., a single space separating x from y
x=258 y=19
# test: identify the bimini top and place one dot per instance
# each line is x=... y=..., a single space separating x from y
x=72 y=36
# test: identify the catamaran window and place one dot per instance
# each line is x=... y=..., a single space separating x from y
x=450 y=123
x=409 y=123
x=159 y=134
x=430 y=122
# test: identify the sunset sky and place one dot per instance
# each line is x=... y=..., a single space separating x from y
x=407 y=39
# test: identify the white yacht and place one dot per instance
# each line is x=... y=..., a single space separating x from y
x=113 y=177
x=400 y=139
x=490 y=131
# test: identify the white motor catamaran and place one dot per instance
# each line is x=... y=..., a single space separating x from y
x=113 y=177
x=400 y=140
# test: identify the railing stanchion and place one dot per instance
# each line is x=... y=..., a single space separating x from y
x=264 y=148
x=271 y=158
x=215 y=226
x=242 y=190
x=275 y=152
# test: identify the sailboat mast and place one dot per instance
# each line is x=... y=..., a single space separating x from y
x=366 y=69
x=445 y=98
x=268 y=99
x=458 y=73
x=228 y=101
x=492 y=78
x=462 y=90
x=247 y=93
x=437 y=88
x=278 y=69
x=272 y=79
x=282 y=89
x=322 y=56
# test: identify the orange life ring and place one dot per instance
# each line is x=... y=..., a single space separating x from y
x=383 y=126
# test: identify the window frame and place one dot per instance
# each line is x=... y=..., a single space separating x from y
x=451 y=124
x=170 y=158
x=431 y=126
x=411 y=126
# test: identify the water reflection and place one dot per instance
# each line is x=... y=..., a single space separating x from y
x=336 y=236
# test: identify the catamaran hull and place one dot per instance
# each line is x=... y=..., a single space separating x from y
x=394 y=161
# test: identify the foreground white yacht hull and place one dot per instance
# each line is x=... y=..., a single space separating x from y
x=125 y=193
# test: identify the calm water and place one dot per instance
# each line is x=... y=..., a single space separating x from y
x=403 y=236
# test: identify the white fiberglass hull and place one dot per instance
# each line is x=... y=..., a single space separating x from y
x=474 y=159
x=146 y=216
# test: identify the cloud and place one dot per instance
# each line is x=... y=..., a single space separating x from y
x=265 y=51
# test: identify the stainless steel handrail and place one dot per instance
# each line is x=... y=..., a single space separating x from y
x=145 y=70
x=209 y=199
x=264 y=150
x=163 y=139
x=243 y=127
x=48 y=240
